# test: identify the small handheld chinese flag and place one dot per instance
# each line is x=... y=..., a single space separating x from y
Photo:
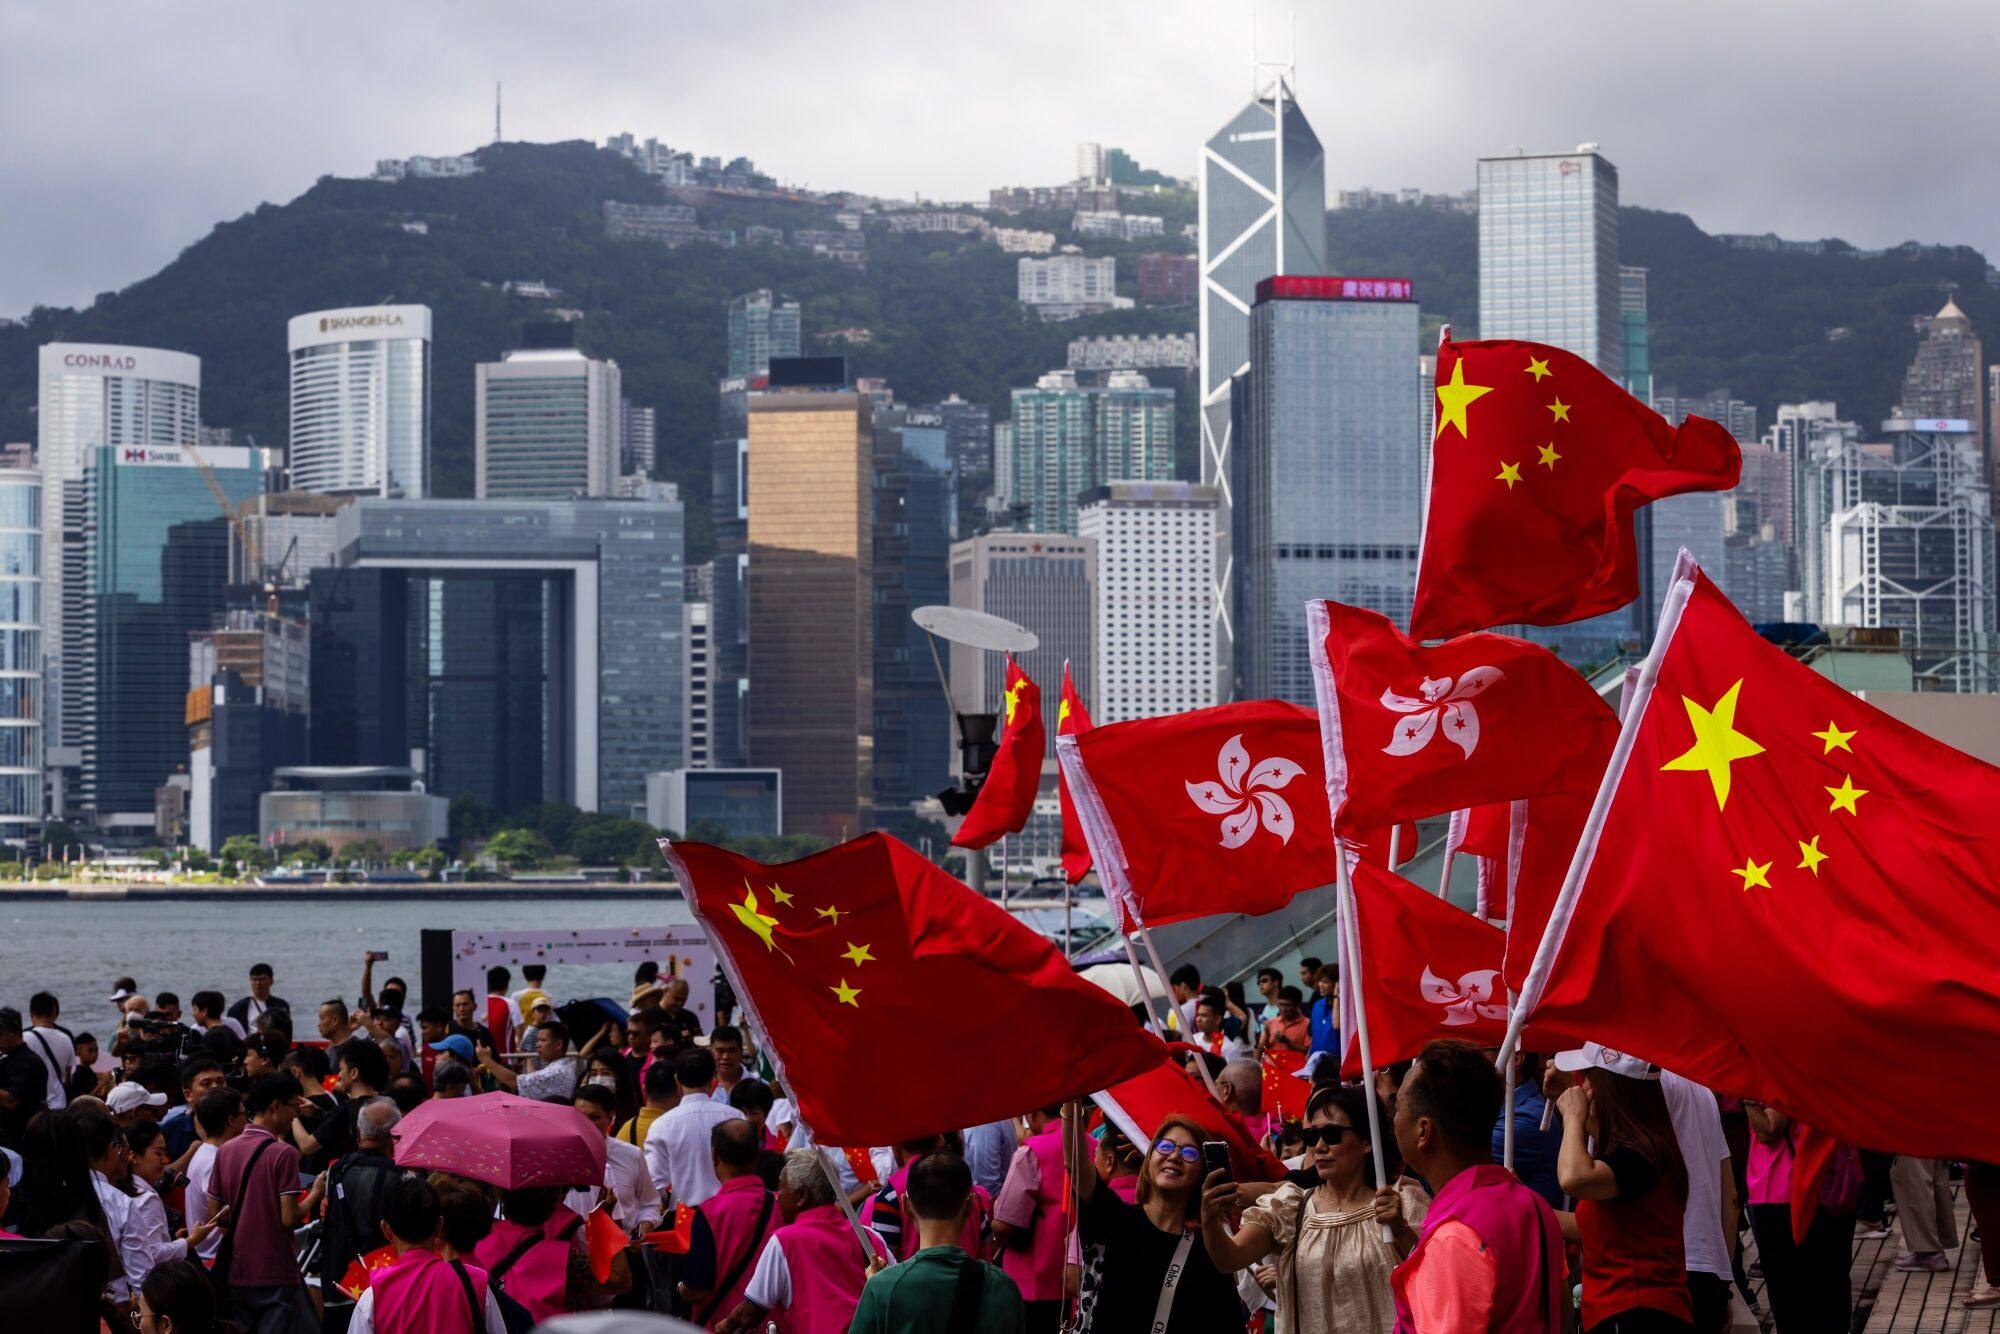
x=1539 y=462
x=604 y=1239
x=867 y=947
x=1071 y=719
x=1007 y=798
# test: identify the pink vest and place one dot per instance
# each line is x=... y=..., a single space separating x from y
x=538 y=1280
x=421 y=1294
x=824 y=1259
x=1038 y=1270
x=1519 y=1230
x=731 y=1215
x=906 y=1245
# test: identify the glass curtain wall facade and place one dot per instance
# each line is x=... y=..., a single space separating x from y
x=915 y=488
x=20 y=652
x=548 y=426
x=361 y=401
x=761 y=326
x=1548 y=254
x=1327 y=476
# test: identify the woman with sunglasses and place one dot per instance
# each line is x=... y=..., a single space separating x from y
x=1333 y=1264
x=1157 y=1275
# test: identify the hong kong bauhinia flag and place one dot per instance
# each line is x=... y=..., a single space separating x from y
x=1538 y=463
x=1411 y=732
x=1007 y=798
x=1071 y=718
x=868 y=948
x=1787 y=894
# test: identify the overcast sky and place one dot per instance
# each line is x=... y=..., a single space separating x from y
x=127 y=130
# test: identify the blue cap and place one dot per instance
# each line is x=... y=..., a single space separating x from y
x=457 y=1044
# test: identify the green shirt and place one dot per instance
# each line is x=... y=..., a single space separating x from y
x=915 y=1297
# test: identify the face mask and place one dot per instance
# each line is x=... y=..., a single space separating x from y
x=602 y=1081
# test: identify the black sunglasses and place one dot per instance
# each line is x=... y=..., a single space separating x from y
x=1327 y=1135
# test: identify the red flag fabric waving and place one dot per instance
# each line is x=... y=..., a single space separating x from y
x=1375 y=845
x=1538 y=464
x=1550 y=827
x=1412 y=731
x=603 y=1239
x=867 y=947
x=1141 y=1103
x=1071 y=718
x=1428 y=970
x=1007 y=798
x=1791 y=898
x=1285 y=1094
x=1215 y=811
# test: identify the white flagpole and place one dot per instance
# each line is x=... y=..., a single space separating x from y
x=1395 y=844
x=1537 y=979
x=1146 y=939
x=1145 y=992
x=1444 y=874
x=1345 y=888
x=825 y=1156
x=1507 y=1122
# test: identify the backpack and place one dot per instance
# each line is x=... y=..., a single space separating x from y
x=512 y=1314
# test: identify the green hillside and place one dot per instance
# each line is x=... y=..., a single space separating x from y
x=940 y=308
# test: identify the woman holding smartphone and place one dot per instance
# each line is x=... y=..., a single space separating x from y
x=1157 y=1274
x=1333 y=1263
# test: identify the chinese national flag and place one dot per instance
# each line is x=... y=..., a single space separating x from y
x=1220 y=810
x=867 y=948
x=1428 y=970
x=1007 y=798
x=1792 y=897
x=1412 y=731
x=1538 y=464
x=603 y=1239
x=1071 y=718
x=1139 y=1104
x=355 y=1281
x=1285 y=1094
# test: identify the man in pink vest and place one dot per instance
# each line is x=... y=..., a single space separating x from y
x=528 y=1251
x=1031 y=1224
x=419 y=1293
x=810 y=1273
x=1490 y=1257
x=731 y=1227
x=888 y=1213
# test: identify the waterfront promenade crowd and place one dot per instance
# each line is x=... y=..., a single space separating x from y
x=217 y=1162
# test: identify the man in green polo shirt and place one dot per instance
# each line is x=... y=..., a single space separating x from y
x=940 y=1288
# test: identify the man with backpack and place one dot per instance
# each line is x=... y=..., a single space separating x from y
x=940 y=1288
x=419 y=1292
x=730 y=1227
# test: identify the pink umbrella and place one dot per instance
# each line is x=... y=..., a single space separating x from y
x=504 y=1140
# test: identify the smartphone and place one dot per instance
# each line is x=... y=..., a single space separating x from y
x=1214 y=1158
x=378 y=956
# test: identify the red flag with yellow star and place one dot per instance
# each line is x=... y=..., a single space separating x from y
x=1071 y=718
x=851 y=959
x=1791 y=896
x=1007 y=798
x=1537 y=466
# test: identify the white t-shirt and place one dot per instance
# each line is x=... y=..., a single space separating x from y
x=200 y=1204
x=57 y=1054
x=1698 y=1130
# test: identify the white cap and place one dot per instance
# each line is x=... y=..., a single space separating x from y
x=122 y=994
x=1606 y=1058
x=13 y=1168
x=130 y=1097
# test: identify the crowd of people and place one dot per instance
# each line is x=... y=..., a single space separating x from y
x=220 y=1168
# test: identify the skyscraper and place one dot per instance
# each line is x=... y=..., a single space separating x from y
x=761 y=326
x=1326 y=467
x=361 y=401
x=914 y=511
x=1046 y=582
x=1943 y=379
x=547 y=426
x=1154 y=623
x=697 y=664
x=95 y=394
x=1068 y=438
x=1262 y=212
x=809 y=602
x=1636 y=353
x=638 y=439
x=21 y=583
x=1548 y=253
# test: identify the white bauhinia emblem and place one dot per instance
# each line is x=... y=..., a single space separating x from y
x=1444 y=705
x=1246 y=794
x=1469 y=998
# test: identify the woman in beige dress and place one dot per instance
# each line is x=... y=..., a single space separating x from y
x=1333 y=1264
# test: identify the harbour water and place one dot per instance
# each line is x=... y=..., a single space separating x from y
x=78 y=947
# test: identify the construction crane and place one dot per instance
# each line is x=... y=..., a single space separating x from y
x=253 y=551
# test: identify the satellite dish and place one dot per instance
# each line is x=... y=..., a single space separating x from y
x=975 y=629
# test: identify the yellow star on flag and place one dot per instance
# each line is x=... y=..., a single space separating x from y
x=1717 y=743
x=1549 y=456
x=846 y=994
x=1062 y=711
x=760 y=923
x=1810 y=856
x=1455 y=396
x=1559 y=410
x=1539 y=368
x=1845 y=796
x=1014 y=697
x=857 y=954
x=1509 y=473
x=1755 y=876
x=1835 y=739
x=780 y=897
x=832 y=914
